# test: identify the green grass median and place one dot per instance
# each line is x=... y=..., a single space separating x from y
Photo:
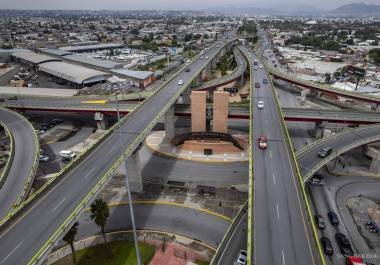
x=123 y=253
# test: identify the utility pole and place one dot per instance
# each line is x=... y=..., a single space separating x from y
x=127 y=180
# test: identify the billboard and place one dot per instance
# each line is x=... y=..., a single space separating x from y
x=356 y=71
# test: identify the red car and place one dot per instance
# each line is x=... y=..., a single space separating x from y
x=263 y=142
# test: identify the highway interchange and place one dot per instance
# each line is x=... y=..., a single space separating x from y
x=277 y=194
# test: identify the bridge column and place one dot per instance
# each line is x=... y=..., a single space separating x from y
x=197 y=82
x=374 y=153
x=318 y=130
x=304 y=94
x=169 y=124
x=132 y=170
x=186 y=98
x=214 y=61
x=101 y=121
x=374 y=106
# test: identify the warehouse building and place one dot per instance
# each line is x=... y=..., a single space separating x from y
x=54 y=52
x=32 y=59
x=74 y=75
x=141 y=79
x=98 y=64
x=93 y=48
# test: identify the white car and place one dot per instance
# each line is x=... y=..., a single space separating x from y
x=43 y=158
x=242 y=258
x=180 y=82
x=255 y=68
x=260 y=66
x=260 y=104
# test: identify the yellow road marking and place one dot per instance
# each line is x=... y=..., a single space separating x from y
x=94 y=101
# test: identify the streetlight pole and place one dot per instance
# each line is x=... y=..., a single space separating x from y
x=135 y=239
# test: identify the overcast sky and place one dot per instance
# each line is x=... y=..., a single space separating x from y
x=166 y=4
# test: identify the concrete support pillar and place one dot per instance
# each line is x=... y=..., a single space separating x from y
x=375 y=165
x=197 y=82
x=186 y=99
x=198 y=111
x=169 y=124
x=304 y=94
x=374 y=106
x=374 y=153
x=133 y=172
x=101 y=121
x=318 y=131
x=213 y=63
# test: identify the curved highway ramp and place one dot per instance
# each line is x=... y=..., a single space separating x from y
x=308 y=160
x=25 y=161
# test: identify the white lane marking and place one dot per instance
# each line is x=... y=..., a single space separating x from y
x=278 y=213
x=10 y=253
x=89 y=173
x=270 y=154
x=283 y=257
x=274 y=182
x=59 y=204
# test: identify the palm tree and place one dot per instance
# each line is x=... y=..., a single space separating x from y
x=100 y=213
x=69 y=238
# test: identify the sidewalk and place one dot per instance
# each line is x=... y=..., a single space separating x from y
x=156 y=142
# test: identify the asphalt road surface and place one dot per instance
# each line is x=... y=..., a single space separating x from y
x=280 y=235
x=189 y=222
x=21 y=240
x=25 y=145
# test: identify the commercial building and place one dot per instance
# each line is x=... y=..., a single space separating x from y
x=98 y=64
x=93 y=48
x=76 y=76
x=141 y=79
x=32 y=59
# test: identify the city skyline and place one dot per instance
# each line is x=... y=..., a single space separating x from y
x=171 y=4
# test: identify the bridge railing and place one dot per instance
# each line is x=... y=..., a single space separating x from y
x=17 y=212
x=224 y=243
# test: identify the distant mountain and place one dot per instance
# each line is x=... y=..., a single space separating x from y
x=356 y=9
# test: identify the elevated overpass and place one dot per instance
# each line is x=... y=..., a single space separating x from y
x=31 y=231
x=328 y=90
x=278 y=228
x=236 y=112
x=308 y=160
x=17 y=182
x=236 y=74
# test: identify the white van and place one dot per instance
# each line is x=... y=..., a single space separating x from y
x=67 y=154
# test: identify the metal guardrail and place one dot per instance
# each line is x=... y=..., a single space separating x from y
x=7 y=167
x=62 y=228
x=223 y=244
